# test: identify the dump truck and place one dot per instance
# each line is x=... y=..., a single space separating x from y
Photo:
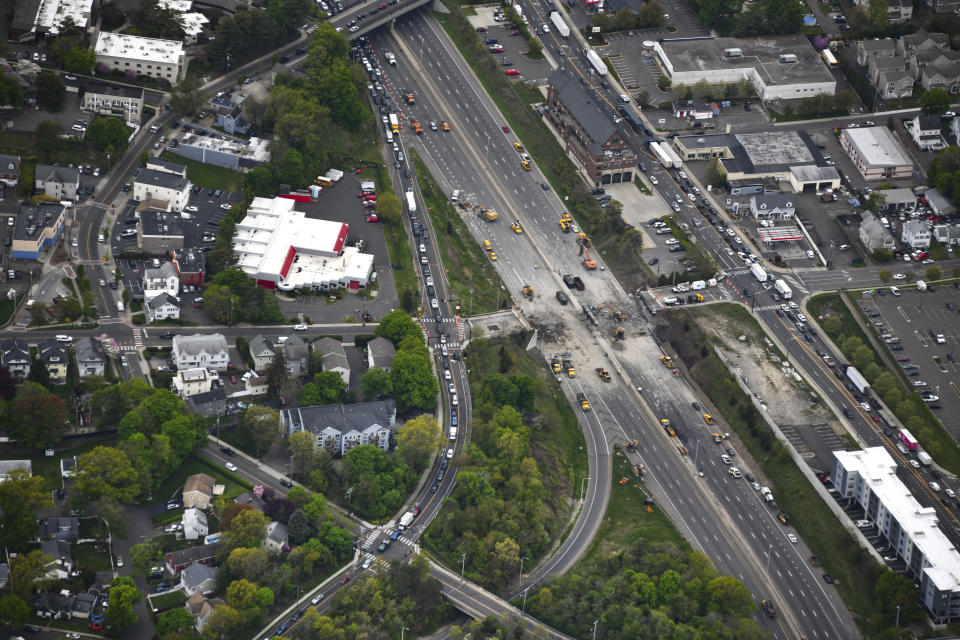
x=555 y=363
x=487 y=214
x=604 y=374
x=415 y=125
x=584 y=403
x=568 y=367
x=528 y=291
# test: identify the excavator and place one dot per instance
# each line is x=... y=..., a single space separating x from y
x=528 y=291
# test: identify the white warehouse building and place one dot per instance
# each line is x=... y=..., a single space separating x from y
x=869 y=477
x=282 y=248
x=163 y=59
x=779 y=67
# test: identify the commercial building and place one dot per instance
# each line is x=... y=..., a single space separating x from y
x=191 y=265
x=110 y=99
x=34 y=19
x=151 y=184
x=233 y=153
x=589 y=136
x=869 y=478
x=788 y=157
x=201 y=350
x=37 y=227
x=153 y=57
x=159 y=232
x=282 y=248
x=876 y=153
x=779 y=67
x=340 y=427
x=60 y=183
x=898 y=200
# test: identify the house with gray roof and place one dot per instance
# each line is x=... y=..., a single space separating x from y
x=773 y=206
x=295 y=354
x=62 y=563
x=589 y=136
x=83 y=604
x=66 y=528
x=201 y=608
x=209 y=404
x=162 y=307
x=177 y=561
x=55 y=357
x=15 y=356
x=90 y=357
x=201 y=350
x=874 y=235
x=915 y=234
x=380 y=353
x=163 y=279
x=262 y=352
x=334 y=357
x=340 y=427
x=894 y=84
x=198 y=578
x=277 y=538
x=939 y=203
x=151 y=184
x=60 y=183
x=920 y=41
x=870 y=48
x=9 y=170
x=947 y=234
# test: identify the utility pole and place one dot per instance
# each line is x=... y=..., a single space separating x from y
x=402 y=629
x=521 y=567
x=463 y=564
x=524 y=607
x=595 y=629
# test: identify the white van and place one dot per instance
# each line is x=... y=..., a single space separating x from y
x=389 y=137
x=154 y=128
x=895 y=291
x=453 y=433
x=119 y=305
x=935 y=487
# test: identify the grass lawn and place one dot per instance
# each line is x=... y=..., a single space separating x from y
x=465 y=262
x=49 y=468
x=938 y=252
x=558 y=432
x=930 y=432
x=195 y=464
x=67 y=151
x=626 y=520
x=6 y=310
x=169 y=542
x=839 y=553
x=87 y=556
x=207 y=175
x=167 y=600
x=91 y=527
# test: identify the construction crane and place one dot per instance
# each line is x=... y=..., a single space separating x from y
x=589 y=262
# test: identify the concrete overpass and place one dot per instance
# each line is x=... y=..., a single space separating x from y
x=374 y=16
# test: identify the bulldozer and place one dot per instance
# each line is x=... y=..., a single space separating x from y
x=589 y=262
x=528 y=291
x=604 y=374
x=620 y=333
x=487 y=214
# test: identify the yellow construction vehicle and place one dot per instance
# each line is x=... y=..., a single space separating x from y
x=528 y=291
x=604 y=374
x=516 y=227
x=584 y=404
x=565 y=225
x=555 y=362
x=571 y=372
x=668 y=428
x=525 y=165
x=487 y=214
x=620 y=333
x=589 y=262
x=584 y=240
x=666 y=361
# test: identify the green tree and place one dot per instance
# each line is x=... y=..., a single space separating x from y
x=784 y=16
x=21 y=495
x=25 y=570
x=11 y=92
x=48 y=137
x=13 y=611
x=80 y=60
x=934 y=272
x=289 y=14
x=375 y=383
x=109 y=134
x=299 y=528
x=413 y=382
x=247 y=529
x=185 y=97
x=145 y=556
x=247 y=563
x=116 y=517
x=175 y=621
x=151 y=20
x=879 y=15
x=417 y=439
x=302 y=446
x=39 y=373
x=711 y=12
x=107 y=471
x=388 y=206
x=664 y=82
x=224 y=624
x=327 y=388
x=885 y=275
x=395 y=326
x=123 y=598
x=50 y=91
x=39 y=418
x=241 y=594
x=262 y=427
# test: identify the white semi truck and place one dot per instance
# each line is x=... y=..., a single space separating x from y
x=781 y=286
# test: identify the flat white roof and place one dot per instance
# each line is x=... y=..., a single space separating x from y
x=254 y=149
x=878 y=147
x=192 y=23
x=119 y=45
x=52 y=13
x=180 y=6
x=879 y=471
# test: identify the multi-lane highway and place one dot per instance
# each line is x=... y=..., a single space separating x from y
x=722 y=516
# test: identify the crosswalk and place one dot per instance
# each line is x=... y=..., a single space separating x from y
x=137 y=338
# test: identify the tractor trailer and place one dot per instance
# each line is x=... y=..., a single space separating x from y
x=596 y=62
x=674 y=156
x=781 y=286
x=661 y=155
x=857 y=379
x=559 y=24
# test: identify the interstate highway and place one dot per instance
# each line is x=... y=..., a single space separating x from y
x=725 y=520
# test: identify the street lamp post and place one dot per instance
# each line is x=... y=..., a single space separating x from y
x=595 y=629
x=898 y=617
x=524 y=606
x=521 y=567
x=402 y=630
x=463 y=564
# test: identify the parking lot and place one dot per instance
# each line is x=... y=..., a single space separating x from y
x=512 y=56
x=912 y=323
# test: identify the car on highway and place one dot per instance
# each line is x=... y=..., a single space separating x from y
x=166 y=335
x=228 y=451
x=299 y=327
x=230 y=466
x=64 y=338
x=449 y=453
x=345 y=579
x=792 y=538
x=899 y=276
x=317 y=598
x=286 y=483
x=734 y=472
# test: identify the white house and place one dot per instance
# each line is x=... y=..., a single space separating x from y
x=190 y=382
x=151 y=184
x=947 y=234
x=925 y=131
x=916 y=234
x=194 y=524
x=162 y=307
x=198 y=578
x=90 y=357
x=262 y=352
x=162 y=280
x=201 y=350
x=276 y=538
x=334 y=357
x=875 y=236
x=380 y=353
x=60 y=183
x=773 y=206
